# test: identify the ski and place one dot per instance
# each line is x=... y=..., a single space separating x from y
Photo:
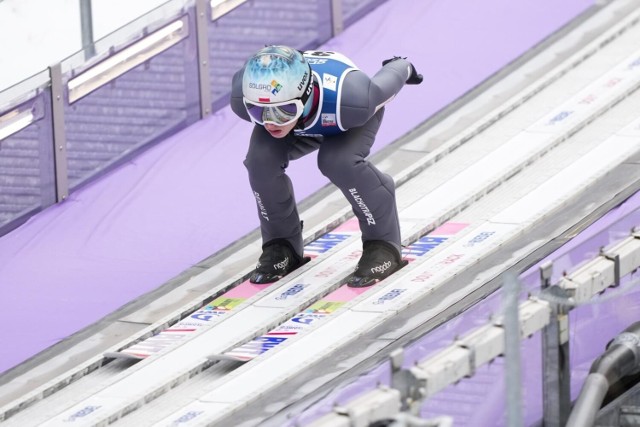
x=227 y=302
x=328 y=305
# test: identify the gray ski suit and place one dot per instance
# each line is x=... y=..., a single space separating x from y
x=342 y=128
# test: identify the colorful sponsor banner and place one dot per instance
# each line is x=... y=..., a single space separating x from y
x=187 y=326
x=298 y=323
x=459 y=255
x=227 y=302
x=332 y=302
x=327 y=242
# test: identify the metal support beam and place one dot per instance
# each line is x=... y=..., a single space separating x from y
x=204 y=80
x=555 y=355
x=513 y=375
x=616 y=266
x=59 y=135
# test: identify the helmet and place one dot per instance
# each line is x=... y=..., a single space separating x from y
x=276 y=76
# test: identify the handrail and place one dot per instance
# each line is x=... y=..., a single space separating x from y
x=173 y=23
x=127 y=59
x=219 y=8
x=484 y=343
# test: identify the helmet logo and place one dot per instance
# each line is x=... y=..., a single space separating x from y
x=276 y=87
x=304 y=80
x=260 y=86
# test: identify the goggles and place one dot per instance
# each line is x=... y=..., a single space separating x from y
x=277 y=113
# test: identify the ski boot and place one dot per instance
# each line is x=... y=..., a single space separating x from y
x=379 y=260
x=277 y=260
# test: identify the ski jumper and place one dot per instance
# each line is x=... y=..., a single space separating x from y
x=343 y=129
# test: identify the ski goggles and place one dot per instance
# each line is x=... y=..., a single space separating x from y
x=277 y=113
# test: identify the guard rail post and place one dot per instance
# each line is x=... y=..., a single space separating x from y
x=59 y=134
x=513 y=370
x=203 y=14
x=555 y=356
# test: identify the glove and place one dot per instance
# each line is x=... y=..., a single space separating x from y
x=414 y=78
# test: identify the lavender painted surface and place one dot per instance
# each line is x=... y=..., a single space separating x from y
x=188 y=197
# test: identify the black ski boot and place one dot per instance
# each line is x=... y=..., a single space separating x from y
x=277 y=260
x=379 y=260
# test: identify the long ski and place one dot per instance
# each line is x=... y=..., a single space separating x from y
x=324 y=308
x=227 y=302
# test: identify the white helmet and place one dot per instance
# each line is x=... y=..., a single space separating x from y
x=277 y=82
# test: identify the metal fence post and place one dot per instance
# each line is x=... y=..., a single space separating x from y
x=204 y=79
x=59 y=135
x=513 y=375
x=555 y=356
x=337 y=19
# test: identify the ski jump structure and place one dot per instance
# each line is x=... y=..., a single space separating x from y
x=486 y=200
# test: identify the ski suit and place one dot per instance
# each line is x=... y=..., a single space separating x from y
x=343 y=129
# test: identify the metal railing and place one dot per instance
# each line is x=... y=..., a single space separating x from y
x=521 y=316
x=70 y=124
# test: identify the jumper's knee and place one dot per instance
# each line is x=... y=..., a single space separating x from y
x=262 y=168
x=337 y=168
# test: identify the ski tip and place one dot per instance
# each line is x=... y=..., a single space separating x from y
x=120 y=355
x=263 y=278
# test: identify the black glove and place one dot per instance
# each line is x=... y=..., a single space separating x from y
x=414 y=78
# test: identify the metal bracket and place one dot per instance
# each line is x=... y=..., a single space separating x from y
x=472 y=357
x=404 y=381
x=411 y=388
x=397 y=357
x=546 y=271
x=616 y=265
